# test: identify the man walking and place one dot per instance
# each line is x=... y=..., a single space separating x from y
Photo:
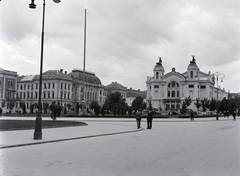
x=138 y=118
x=191 y=116
x=149 y=119
x=234 y=115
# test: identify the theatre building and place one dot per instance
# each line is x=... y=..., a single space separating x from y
x=168 y=91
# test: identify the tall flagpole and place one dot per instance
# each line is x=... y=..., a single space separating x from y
x=84 y=60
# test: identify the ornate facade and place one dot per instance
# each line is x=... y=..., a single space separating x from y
x=168 y=91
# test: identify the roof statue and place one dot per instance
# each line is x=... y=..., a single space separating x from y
x=193 y=64
x=193 y=60
x=160 y=61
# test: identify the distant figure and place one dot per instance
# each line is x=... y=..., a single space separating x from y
x=234 y=116
x=138 y=118
x=149 y=119
x=191 y=116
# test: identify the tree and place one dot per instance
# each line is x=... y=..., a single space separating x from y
x=23 y=106
x=114 y=102
x=103 y=110
x=95 y=106
x=187 y=101
x=223 y=108
x=138 y=103
x=197 y=103
x=204 y=104
x=212 y=104
x=45 y=107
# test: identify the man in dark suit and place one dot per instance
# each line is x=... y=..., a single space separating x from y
x=149 y=119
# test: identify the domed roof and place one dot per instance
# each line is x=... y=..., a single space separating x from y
x=158 y=66
x=90 y=77
x=193 y=65
x=115 y=86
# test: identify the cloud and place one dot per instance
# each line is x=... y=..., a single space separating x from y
x=124 y=38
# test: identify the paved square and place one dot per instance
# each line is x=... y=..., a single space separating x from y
x=174 y=147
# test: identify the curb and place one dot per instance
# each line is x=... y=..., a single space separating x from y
x=68 y=139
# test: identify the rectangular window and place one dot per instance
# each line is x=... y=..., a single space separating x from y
x=49 y=85
x=203 y=87
x=53 y=85
x=191 y=86
x=156 y=94
x=156 y=86
x=36 y=85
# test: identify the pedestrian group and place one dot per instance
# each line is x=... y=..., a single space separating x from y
x=149 y=118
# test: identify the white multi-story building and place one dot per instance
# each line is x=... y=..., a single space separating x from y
x=93 y=88
x=168 y=91
x=8 y=84
x=56 y=87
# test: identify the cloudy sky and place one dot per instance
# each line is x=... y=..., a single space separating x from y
x=124 y=37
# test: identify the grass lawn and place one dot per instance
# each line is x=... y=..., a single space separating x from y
x=8 y=125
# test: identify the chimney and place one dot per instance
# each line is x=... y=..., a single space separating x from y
x=61 y=70
x=65 y=72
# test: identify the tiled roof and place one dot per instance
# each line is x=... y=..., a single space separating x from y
x=90 y=77
x=115 y=86
x=136 y=93
x=52 y=74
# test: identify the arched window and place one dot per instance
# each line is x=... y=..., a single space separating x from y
x=178 y=93
x=191 y=74
x=168 y=94
x=173 y=93
x=157 y=75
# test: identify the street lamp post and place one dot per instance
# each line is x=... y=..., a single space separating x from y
x=38 y=122
x=84 y=61
x=221 y=76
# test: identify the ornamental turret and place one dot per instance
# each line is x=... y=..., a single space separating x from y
x=158 y=70
x=193 y=69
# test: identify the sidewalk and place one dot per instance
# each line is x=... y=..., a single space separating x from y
x=95 y=128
